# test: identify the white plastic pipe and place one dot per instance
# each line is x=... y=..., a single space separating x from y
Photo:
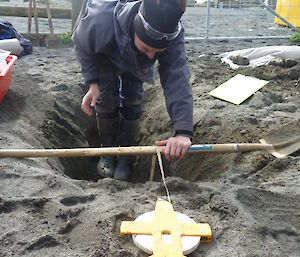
x=11 y=45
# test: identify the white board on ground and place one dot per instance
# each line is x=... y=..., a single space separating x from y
x=237 y=89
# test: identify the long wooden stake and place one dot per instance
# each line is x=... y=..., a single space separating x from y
x=35 y=13
x=29 y=15
x=152 y=168
x=49 y=18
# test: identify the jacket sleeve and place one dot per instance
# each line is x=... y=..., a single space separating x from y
x=175 y=79
x=89 y=66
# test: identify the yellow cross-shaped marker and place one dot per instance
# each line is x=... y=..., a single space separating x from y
x=165 y=222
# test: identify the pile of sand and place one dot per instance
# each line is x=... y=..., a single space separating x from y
x=60 y=207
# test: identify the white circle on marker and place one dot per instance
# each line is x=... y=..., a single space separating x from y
x=145 y=242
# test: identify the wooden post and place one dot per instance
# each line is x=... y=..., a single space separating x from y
x=76 y=7
x=49 y=18
x=29 y=15
x=152 y=167
x=36 y=21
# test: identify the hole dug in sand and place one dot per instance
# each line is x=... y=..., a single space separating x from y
x=63 y=130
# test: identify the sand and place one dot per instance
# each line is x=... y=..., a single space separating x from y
x=61 y=207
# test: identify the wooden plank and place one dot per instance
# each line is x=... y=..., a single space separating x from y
x=20 y=11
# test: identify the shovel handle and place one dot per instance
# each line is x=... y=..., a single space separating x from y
x=230 y=148
x=130 y=150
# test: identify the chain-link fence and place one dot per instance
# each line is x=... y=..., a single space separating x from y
x=217 y=19
x=243 y=19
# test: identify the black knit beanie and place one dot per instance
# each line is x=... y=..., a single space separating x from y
x=161 y=15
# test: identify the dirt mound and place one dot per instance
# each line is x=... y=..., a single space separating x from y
x=60 y=207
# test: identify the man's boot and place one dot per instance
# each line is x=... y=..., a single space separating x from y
x=108 y=131
x=128 y=130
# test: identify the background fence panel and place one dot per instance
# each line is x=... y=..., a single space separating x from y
x=217 y=19
x=243 y=19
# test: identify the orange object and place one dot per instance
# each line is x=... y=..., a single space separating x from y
x=165 y=222
x=5 y=76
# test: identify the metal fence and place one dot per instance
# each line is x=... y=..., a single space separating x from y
x=215 y=19
x=243 y=19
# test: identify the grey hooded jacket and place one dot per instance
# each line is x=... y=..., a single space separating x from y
x=104 y=28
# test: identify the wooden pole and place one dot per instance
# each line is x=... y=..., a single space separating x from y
x=153 y=162
x=131 y=150
x=49 y=18
x=80 y=152
x=36 y=21
x=29 y=15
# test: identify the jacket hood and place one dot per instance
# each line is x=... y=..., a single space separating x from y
x=124 y=14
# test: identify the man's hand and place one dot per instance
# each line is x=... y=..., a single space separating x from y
x=176 y=147
x=90 y=99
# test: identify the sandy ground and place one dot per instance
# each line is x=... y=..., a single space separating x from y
x=61 y=207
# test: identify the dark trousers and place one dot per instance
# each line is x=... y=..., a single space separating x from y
x=119 y=93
